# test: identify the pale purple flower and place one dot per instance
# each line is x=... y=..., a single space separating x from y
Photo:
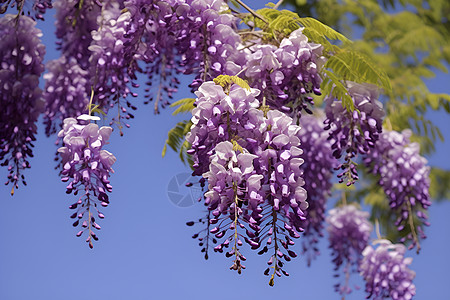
x=386 y=272
x=87 y=167
x=348 y=233
x=21 y=56
x=404 y=176
x=353 y=133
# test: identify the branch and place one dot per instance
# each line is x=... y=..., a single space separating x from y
x=254 y=13
x=278 y=4
x=411 y=224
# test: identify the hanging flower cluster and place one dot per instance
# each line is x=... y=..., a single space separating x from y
x=404 y=175
x=253 y=172
x=87 y=167
x=288 y=74
x=348 y=233
x=357 y=132
x=21 y=56
x=386 y=272
x=317 y=172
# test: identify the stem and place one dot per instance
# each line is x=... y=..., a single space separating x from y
x=388 y=124
x=278 y=4
x=243 y=70
x=162 y=78
x=90 y=100
x=275 y=263
x=205 y=56
x=411 y=225
x=377 y=229
x=254 y=13
x=207 y=235
x=235 y=223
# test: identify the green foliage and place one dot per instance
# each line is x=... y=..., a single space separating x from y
x=440 y=184
x=176 y=140
x=354 y=66
x=408 y=46
x=226 y=80
x=333 y=85
x=316 y=30
x=95 y=109
x=350 y=65
x=280 y=24
x=183 y=105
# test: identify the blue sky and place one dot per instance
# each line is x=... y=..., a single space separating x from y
x=145 y=249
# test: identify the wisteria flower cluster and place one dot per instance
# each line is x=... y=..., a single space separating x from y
x=348 y=233
x=254 y=179
x=404 y=175
x=317 y=172
x=87 y=167
x=386 y=272
x=37 y=10
x=21 y=55
x=357 y=132
x=276 y=70
x=68 y=80
x=265 y=156
x=65 y=93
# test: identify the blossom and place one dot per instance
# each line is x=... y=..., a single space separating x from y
x=87 y=167
x=348 y=233
x=386 y=272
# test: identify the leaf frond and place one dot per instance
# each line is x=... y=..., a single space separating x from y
x=176 y=138
x=226 y=80
x=354 y=66
x=183 y=105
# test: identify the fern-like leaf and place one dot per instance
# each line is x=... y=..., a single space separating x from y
x=282 y=22
x=353 y=66
x=324 y=30
x=183 y=105
x=176 y=138
x=332 y=85
x=226 y=80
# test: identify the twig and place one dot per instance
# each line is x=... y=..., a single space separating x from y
x=411 y=224
x=254 y=13
x=278 y=4
x=377 y=229
x=388 y=124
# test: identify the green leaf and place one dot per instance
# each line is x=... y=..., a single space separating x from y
x=324 y=30
x=97 y=110
x=281 y=23
x=332 y=85
x=440 y=184
x=225 y=80
x=184 y=105
x=354 y=66
x=176 y=139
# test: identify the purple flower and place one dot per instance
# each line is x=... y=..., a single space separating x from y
x=21 y=56
x=348 y=233
x=386 y=272
x=251 y=160
x=287 y=74
x=39 y=7
x=354 y=132
x=317 y=173
x=87 y=167
x=404 y=175
x=66 y=92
